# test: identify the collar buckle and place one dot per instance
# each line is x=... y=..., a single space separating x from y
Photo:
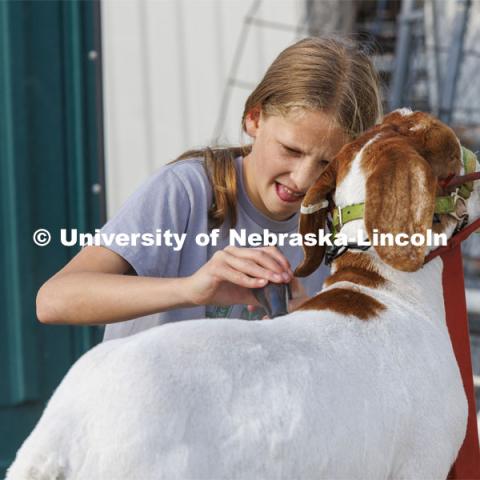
x=340 y=218
x=457 y=198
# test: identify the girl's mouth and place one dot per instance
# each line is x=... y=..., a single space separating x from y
x=286 y=194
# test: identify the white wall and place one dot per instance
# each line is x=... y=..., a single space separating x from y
x=166 y=65
x=467 y=99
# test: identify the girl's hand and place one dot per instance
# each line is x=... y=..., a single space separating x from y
x=226 y=279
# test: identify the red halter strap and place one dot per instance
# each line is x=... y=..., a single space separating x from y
x=456 y=180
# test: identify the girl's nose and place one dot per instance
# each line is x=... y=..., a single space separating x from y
x=305 y=174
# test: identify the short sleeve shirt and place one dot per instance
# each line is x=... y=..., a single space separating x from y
x=172 y=208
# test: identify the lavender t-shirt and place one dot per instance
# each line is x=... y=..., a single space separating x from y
x=177 y=198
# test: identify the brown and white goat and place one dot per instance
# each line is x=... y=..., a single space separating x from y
x=360 y=382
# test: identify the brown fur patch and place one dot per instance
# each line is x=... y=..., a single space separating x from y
x=346 y=302
x=355 y=268
x=382 y=149
x=432 y=139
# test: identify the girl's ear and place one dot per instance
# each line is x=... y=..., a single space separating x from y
x=313 y=218
x=252 y=121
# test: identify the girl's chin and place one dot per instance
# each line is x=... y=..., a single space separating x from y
x=282 y=215
x=281 y=210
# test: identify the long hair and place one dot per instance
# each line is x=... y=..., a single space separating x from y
x=327 y=74
x=219 y=164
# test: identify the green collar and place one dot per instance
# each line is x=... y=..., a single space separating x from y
x=443 y=205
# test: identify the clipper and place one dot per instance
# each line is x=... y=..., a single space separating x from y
x=274 y=298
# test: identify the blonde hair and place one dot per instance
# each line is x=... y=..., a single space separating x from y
x=328 y=74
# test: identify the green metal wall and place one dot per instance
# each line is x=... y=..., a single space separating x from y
x=50 y=156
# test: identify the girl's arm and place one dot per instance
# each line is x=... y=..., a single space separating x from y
x=94 y=288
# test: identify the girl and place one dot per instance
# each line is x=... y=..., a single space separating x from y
x=318 y=94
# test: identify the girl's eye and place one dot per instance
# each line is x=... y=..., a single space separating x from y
x=324 y=163
x=290 y=151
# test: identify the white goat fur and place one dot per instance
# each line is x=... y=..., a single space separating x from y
x=314 y=394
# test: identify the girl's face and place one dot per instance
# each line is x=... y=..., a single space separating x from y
x=288 y=155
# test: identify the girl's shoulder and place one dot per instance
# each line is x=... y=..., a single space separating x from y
x=188 y=175
x=186 y=169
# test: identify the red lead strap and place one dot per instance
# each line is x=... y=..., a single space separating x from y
x=455 y=240
x=467 y=464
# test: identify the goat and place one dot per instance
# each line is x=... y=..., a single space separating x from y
x=360 y=382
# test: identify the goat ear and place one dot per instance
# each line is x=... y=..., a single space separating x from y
x=312 y=222
x=400 y=198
